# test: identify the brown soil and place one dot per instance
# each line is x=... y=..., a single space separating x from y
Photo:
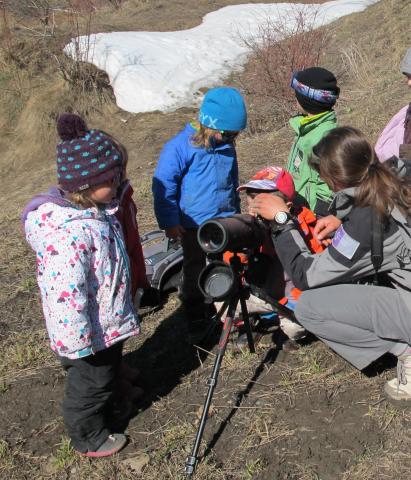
x=301 y=416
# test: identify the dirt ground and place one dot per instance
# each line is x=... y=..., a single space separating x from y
x=305 y=415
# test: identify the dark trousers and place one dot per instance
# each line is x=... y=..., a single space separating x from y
x=194 y=261
x=89 y=386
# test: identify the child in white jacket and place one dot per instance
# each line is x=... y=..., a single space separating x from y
x=84 y=279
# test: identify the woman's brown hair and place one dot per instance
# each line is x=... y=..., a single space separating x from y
x=344 y=158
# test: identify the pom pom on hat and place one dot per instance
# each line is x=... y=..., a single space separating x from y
x=71 y=126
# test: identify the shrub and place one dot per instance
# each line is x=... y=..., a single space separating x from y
x=281 y=46
x=35 y=31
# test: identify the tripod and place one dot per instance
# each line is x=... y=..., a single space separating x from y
x=240 y=294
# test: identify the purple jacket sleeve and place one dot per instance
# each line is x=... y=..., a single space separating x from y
x=392 y=136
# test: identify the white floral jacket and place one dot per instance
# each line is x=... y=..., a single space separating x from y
x=83 y=275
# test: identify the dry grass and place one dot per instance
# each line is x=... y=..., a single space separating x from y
x=282 y=46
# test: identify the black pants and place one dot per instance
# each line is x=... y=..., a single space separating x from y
x=89 y=386
x=194 y=261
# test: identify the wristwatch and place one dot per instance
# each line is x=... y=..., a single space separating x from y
x=280 y=222
x=281 y=218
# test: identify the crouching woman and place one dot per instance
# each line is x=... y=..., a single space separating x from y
x=360 y=322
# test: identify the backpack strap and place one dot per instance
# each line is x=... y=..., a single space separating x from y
x=377 y=254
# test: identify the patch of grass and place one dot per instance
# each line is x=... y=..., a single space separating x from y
x=27 y=284
x=366 y=455
x=4 y=386
x=253 y=468
x=315 y=366
x=173 y=439
x=6 y=456
x=144 y=188
x=65 y=455
x=264 y=431
x=384 y=414
x=28 y=350
x=241 y=361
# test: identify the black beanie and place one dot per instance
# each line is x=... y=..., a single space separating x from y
x=316 y=78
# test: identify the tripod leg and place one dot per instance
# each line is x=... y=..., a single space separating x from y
x=191 y=460
x=246 y=320
x=277 y=307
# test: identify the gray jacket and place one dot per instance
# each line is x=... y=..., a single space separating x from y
x=348 y=258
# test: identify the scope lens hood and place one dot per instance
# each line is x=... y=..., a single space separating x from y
x=212 y=236
x=216 y=281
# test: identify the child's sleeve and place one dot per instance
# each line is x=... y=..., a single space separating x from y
x=66 y=266
x=166 y=186
x=134 y=248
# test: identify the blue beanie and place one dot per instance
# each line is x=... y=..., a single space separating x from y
x=223 y=108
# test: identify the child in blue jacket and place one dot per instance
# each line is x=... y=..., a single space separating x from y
x=196 y=179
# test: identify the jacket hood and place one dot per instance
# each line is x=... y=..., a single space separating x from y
x=53 y=212
x=53 y=195
x=343 y=202
x=125 y=191
x=303 y=128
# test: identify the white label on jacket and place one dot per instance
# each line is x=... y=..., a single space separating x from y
x=298 y=160
x=345 y=244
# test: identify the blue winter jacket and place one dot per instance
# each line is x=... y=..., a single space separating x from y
x=192 y=184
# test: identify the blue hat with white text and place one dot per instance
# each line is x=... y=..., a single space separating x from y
x=223 y=108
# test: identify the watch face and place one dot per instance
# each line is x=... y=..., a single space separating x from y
x=281 y=217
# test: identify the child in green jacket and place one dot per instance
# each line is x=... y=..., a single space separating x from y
x=316 y=92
